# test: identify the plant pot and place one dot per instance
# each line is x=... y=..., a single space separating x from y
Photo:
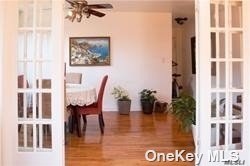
x=194 y=133
x=124 y=106
x=147 y=106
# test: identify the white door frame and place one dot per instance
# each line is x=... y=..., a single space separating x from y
x=203 y=80
x=1 y=73
x=11 y=156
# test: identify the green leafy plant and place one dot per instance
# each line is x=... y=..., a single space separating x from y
x=147 y=94
x=120 y=93
x=184 y=110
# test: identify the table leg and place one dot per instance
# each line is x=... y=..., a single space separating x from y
x=78 y=122
x=71 y=121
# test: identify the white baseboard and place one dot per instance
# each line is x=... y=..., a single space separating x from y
x=116 y=110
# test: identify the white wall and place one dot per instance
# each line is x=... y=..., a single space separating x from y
x=141 y=53
x=182 y=34
x=189 y=84
x=178 y=53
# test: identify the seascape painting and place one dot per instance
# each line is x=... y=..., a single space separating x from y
x=89 y=51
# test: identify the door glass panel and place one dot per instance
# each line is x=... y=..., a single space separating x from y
x=44 y=139
x=237 y=105
x=29 y=135
x=44 y=75
x=221 y=13
x=43 y=13
x=21 y=45
x=236 y=14
x=25 y=105
x=43 y=45
x=237 y=45
x=213 y=75
x=20 y=105
x=213 y=45
x=222 y=79
x=20 y=135
x=46 y=70
x=213 y=105
x=25 y=137
x=218 y=105
x=25 y=45
x=222 y=105
x=213 y=134
x=217 y=14
x=212 y=15
x=222 y=134
x=222 y=45
x=44 y=105
x=25 y=74
x=25 y=13
x=47 y=142
x=237 y=136
x=237 y=75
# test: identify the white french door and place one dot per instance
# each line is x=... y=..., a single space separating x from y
x=33 y=83
x=223 y=81
x=1 y=75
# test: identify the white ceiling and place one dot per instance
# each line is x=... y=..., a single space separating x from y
x=179 y=8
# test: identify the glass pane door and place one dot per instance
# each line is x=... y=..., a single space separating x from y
x=33 y=93
x=227 y=87
x=34 y=76
x=223 y=74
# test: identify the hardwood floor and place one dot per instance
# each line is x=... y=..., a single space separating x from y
x=126 y=139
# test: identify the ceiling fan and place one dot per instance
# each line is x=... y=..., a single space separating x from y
x=78 y=8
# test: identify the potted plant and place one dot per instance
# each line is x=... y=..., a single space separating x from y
x=183 y=108
x=123 y=100
x=147 y=100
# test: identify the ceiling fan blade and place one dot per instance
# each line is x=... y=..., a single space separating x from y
x=96 y=13
x=101 y=6
x=70 y=2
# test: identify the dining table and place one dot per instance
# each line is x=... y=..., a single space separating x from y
x=78 y=95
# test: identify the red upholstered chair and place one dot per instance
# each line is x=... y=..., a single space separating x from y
x=95 y=108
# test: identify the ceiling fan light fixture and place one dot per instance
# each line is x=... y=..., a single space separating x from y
x=80 y=7
x=78 y=17
x=70 y=13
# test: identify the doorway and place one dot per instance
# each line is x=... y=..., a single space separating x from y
x=231 y=126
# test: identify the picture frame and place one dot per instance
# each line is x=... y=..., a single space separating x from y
x=89 y=51
x=193 y=56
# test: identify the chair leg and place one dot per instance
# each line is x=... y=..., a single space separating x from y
x=78 y=122
x=78 y=125
x=101 y=123
x=84 y=122
x=19 y=127
x=102 y=120
x=65 y=133
x=71 y=124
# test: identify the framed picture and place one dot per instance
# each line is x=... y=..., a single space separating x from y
x=89 y=51
x=193 y=55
